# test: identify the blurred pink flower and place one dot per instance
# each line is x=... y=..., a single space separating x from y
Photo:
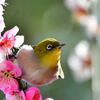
x=91 y=25
x=16 y=96
x=33 y=93
x=80 y=61
x=9 y=40
x=84 y=16
x=74 y=4
x=8 y=73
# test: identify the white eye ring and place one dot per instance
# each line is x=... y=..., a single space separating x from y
x=49 y=46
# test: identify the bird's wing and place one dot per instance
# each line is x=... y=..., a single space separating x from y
x=60 y=72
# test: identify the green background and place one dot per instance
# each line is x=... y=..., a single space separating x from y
x=40 y=19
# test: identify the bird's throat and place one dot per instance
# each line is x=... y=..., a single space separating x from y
x=51 y=59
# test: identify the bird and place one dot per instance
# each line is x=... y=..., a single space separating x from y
x=40 y=64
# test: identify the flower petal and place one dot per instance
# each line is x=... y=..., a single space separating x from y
x=2 y=55
x=2 y=2
x=10 y=97
x=19 y=41
x=2 y=24
x=1 y=10
x=19 y=96
x=2 y=66
x=9 y=85
x=8 y=65
x=16 y=71
x=12 y=32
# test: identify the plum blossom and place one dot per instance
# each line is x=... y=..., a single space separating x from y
x=80 y=62
x=8 y=73
x=19 y=95
x=33 y=93
x=84 y=16
x=10 y=40
x=90 y=23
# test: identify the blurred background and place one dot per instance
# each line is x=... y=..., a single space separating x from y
x=40 y=19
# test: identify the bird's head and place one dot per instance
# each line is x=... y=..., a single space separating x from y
x=48 y=52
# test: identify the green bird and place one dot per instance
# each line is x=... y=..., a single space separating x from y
x=40 y=64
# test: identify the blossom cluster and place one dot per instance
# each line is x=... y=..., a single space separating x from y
x=80 y=60
x=10 y=73
x=83 y=13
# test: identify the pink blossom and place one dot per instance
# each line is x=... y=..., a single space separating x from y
x=33 y=93
x=16 y=96
x=80 y=61
x=10 y=40
x=8 y=73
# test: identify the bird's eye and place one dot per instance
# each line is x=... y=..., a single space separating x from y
x=49 y=46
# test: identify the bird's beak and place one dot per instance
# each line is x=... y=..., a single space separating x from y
x=60 y=45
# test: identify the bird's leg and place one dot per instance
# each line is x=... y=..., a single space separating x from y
x=11 y=56
x=26 y=86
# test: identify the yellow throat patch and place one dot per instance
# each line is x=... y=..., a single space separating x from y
x=51 y=59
